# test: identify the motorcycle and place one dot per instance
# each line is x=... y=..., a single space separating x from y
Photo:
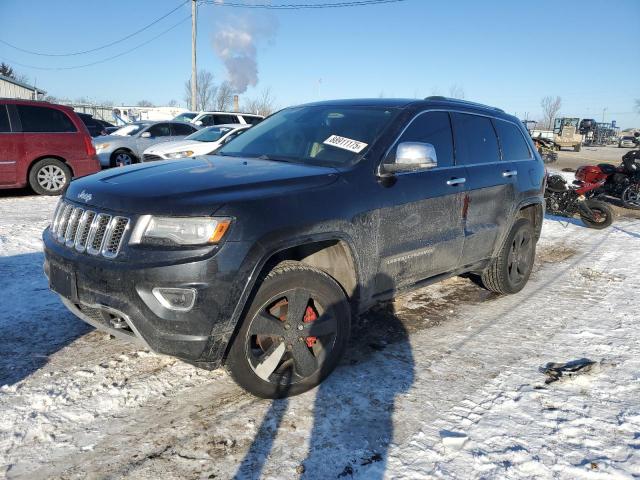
x=569 y=201
x=546 y=148
x=622 y=182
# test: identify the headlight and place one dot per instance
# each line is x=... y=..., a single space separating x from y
x=101 y=146
x=186 y=153
x=180 y=230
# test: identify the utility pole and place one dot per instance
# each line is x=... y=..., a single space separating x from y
x=194 y=69
x=603 y=112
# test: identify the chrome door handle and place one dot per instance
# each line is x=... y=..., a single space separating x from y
x=456 y=181
x=509 y=173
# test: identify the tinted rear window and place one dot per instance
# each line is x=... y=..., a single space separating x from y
x=433 y=128
x=222 y=119
x=513 y=143
x=4 y=119
x=160 y=130
x=252 y=120
x=44 y=119
x=475 y=139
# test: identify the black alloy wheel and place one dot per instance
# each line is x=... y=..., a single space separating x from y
x=294 y=333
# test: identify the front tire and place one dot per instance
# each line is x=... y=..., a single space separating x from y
x=602 y=213
x=294 y=333
x=49 y=176
x=631 y=197
x=510 y=270
x=123 y=158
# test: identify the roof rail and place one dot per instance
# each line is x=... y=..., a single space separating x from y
x=463 y=102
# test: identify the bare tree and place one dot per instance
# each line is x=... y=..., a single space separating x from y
x=205 y=91
x=172 y=103
x=145 y=103
x=550 y=108
x=7 y=70
x=21 y=77
x=456 y=91
x=224 y=97
x=264 y=104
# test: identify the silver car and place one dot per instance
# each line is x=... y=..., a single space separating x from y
x=125 y=145
x=627 y=142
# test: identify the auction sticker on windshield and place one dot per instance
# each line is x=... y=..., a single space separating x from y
x=345 y=143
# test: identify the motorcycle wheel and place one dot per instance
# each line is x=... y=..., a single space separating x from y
x=631 y=197
x=602 y=212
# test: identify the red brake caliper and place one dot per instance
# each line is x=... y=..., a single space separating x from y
x=309 y=316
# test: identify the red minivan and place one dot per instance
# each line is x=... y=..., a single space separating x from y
x=43 y=145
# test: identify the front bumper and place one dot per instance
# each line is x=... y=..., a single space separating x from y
x=105 y=158
x=116 y=296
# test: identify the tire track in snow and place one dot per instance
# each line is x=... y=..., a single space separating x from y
x=450 y=433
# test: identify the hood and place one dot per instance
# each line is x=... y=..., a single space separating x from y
x=179 y=145
x=104 y=138
x=195 y=186
x=112 y=140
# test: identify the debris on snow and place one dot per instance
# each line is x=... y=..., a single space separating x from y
x=556 y=370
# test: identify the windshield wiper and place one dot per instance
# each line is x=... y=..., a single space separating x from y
x=274 y=159
x=224 y=154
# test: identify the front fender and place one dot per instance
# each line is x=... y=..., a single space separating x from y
x=251 y=273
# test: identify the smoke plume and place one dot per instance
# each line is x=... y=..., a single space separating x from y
x=236 y=44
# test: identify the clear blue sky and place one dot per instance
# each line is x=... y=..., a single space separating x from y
x=504 y=53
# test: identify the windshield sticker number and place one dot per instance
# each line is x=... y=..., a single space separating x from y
x=345 y=143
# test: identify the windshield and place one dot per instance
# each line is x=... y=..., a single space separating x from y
x=211 y=134
x=320 y=134
x=185 y=117
x=129 y=130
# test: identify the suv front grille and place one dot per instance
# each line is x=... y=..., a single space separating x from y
x=89 y=231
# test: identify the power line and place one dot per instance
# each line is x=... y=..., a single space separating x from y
x=70 y=54
x=299 y=6
x=104 y=59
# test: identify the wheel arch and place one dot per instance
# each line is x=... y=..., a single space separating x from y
x=44 y=157
x=333 y=254
x=531 y=209
x=126 y=149
x=534 y=212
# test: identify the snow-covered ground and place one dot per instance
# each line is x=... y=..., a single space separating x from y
x=444 y=382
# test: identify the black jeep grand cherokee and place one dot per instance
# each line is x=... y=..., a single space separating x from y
x=258 y=257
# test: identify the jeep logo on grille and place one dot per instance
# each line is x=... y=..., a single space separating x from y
x=83 y=195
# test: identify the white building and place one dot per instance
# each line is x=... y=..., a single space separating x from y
x=11 y=88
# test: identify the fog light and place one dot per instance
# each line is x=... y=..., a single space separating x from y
x=180 y=299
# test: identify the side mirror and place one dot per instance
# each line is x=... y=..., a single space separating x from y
x=411 y=157
x=145 y=135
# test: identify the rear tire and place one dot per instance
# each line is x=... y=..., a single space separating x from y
x=510 y=270
x=49 y=176
x=602 y=210
x=294 y=333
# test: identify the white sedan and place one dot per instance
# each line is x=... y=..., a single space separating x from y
x=202 y=142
